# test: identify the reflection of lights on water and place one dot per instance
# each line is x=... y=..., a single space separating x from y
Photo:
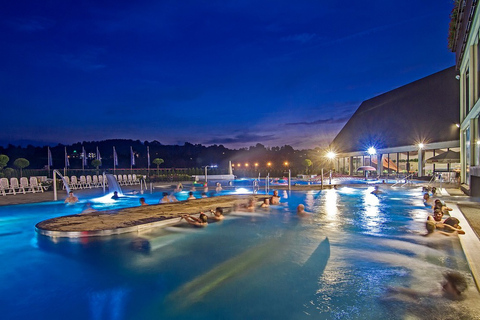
x=34 y=243
x=309 y=200
x=331 y=198
x=371 y=203
x=242 y=190
x=105 y=199
x=347 y=190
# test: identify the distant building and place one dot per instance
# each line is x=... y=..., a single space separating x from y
x=463 y=40
x=396 y=132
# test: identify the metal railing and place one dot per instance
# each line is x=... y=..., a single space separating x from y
x=402 y=181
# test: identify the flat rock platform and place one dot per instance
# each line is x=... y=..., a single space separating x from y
x=134 y=219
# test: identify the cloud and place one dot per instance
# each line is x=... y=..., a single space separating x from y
x=241 y=138
x=303 y=37
x=35 y=24
x=319 y=122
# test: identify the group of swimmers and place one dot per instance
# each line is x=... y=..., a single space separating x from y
x=436 y=221
x=202 y=220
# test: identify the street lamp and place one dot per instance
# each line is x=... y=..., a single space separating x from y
x=331 y=155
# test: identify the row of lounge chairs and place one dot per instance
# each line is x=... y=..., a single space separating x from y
x=88 y=182
x=24 y=186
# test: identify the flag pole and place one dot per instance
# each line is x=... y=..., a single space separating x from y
x=148 y=161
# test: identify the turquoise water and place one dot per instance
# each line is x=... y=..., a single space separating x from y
x=335 y=264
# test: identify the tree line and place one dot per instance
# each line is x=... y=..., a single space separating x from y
x=251 y=159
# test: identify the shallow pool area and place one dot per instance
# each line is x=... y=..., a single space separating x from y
x=337 y=263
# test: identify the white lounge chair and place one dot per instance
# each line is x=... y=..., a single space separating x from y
x=125 y=180
x=100 y=181
x=6 y=186
x=83 y=182
x=25 y=185
x=135 y=179
x=89 y=182
x=95 y=182
x=74 y=183
x=37 y=187
x=130 y=179
x=2 y=189
x=16 y=186
x=119 y=179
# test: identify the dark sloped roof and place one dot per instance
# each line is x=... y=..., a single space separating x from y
x=422 y=111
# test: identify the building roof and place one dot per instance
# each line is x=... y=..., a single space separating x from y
x=424 y=111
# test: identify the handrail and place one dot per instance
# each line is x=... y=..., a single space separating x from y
x=406 y=181
x=434 y=177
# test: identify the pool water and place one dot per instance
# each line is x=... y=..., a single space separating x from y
x=335 y=264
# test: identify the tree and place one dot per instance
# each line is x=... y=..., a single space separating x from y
x=3 y=161
x=158 y=162
x=21 y=163
x=96 y=163
x=307 y=163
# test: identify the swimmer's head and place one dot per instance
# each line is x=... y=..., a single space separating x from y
x=456 y=281
x=219 y=210
x=203 y=217
x=452 y=221
x=430 y=225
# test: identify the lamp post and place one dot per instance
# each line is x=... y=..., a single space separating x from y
x=420 y=159
x=371 y=151
x=330 y=155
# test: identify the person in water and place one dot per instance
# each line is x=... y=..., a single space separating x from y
x=452 y=288
x=142 y=202
x=275 y=199
x=87 y=208
x=301 y=211
x=191 y=196
x=115 y=195
x=165 y=198
x=265 y=203
x=376 y=190
x=217 y=214
x=201 y=221
x=71 y=199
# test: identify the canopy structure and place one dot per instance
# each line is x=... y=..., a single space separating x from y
x=366 y=168
x=387 y=164
x=446 y=157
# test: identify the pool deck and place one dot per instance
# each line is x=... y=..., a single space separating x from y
x=467 y=211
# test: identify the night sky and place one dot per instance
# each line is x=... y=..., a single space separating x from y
x=225 y=72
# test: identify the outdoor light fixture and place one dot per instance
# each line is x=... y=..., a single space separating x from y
x=256 y=164
x=331 y=155
x=246 y=164
x=458 y=125
x=269 y=164
x=371 y=151
x=286 y=163
x=421 y=145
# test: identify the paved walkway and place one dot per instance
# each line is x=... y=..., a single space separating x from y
x=469 y=206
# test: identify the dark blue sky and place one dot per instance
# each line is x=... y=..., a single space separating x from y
x=225 y=72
